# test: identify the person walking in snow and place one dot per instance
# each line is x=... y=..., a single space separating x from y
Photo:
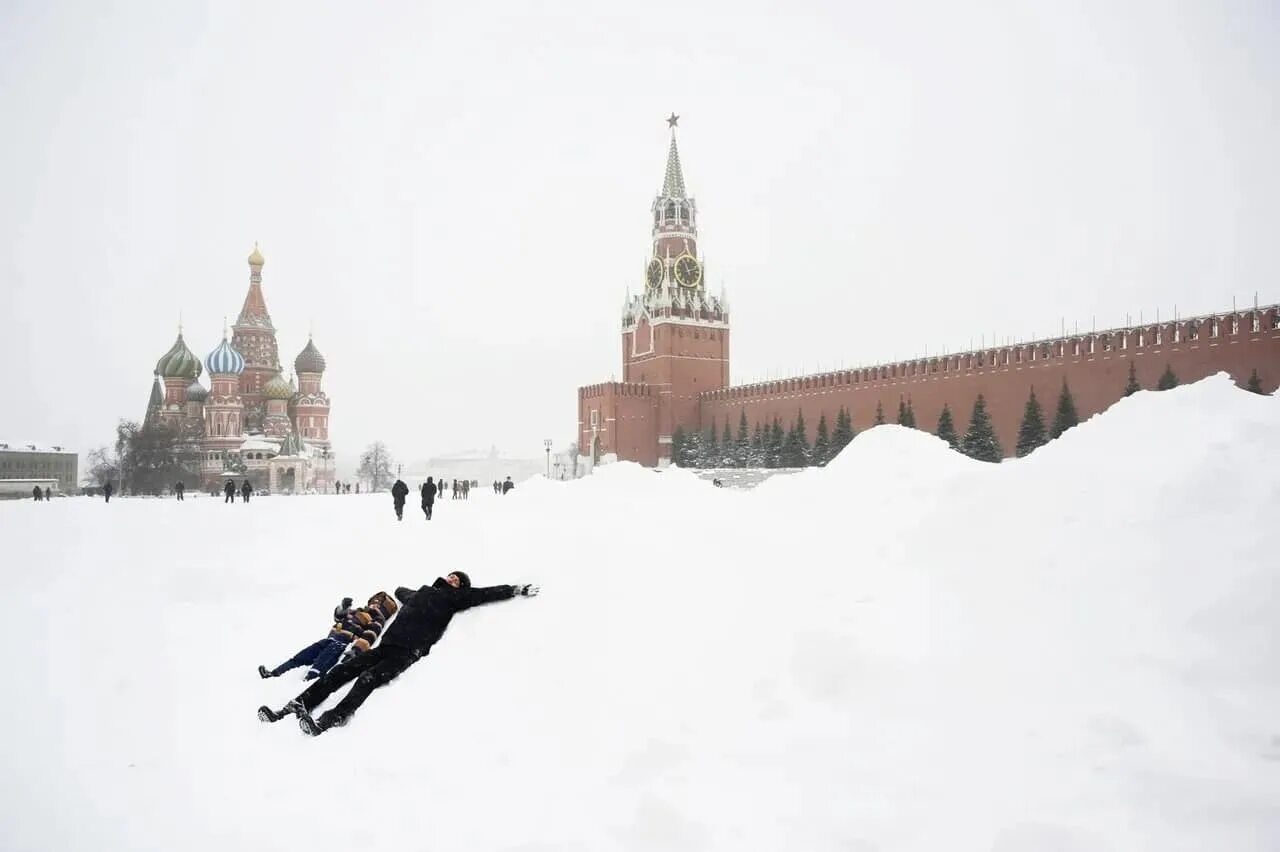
x=399 y=492
x=37 y=494
x=107 y=491
x=229 y=489
x=507 y=485
x=179 y=489
x=422 y=621
x=354 y=631
x=428 y=497
x=246 y=491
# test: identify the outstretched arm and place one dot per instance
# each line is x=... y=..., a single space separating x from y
x=490 y=594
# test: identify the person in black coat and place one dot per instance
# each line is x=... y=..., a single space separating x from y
x=179 y=489
x=428 y=497
x=246 y=491
x=106 y=491
x=37 y=494
x=423 y=618
x=399 y=492
x=507 y=485
x=229 y=489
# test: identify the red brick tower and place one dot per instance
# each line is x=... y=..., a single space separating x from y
x=254 y=337
x=675 y=335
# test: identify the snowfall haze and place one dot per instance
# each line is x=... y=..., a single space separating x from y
x=455 y=198
x=906 y=650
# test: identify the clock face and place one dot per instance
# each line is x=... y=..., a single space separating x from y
x=688 y=271
x=653 y=275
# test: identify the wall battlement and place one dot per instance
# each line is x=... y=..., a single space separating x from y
x=614 y=388
x=1126 y=341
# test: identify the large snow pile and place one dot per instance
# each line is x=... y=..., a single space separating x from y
x=906 y=651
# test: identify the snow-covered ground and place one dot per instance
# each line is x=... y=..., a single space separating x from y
x=905 y=651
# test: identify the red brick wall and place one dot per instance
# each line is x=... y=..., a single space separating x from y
x=626 y=421
x=1097 y=379
x=687 y=360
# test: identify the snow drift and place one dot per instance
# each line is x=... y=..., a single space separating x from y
x=907 y=650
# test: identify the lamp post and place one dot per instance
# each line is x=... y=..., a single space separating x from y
x=546 y=443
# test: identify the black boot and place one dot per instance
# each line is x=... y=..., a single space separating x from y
x=263 y=673
x=293 y=708
x=310 y=726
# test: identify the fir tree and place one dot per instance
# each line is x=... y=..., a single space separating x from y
x=776 y=439
x=728 y=449
x=1168 y=381
x=1132 y=387
x=756 y=458
x=709 y=456
x=980 y=441
x=822 y=443
x=804 y=451
x=678 y=439
x=844 y=432
x=792 y=455
x=1066 y=416
x=879 y=414
x=1255 y=384
x=1032 y=432
x=742 y=449
x=902 y=412
x=910 y=419
x=947 y=428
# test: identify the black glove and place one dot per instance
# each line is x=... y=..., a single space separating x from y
x=346 y=603
x=526 y=590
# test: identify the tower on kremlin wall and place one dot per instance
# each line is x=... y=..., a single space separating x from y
x=251 y=423
x=675 y=361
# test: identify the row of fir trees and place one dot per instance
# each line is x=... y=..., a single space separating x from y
x=770 y=445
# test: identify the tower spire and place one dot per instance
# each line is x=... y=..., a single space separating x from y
x=673 y=181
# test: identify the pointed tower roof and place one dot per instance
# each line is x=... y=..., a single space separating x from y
x=254 y=311
x=673 y=182
x=157 y=394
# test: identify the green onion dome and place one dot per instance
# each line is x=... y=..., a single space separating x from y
x=179 y=362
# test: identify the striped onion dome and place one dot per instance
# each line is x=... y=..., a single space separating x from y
x=179 y=362
x=309 y=360
x=196 y=392
x=225 y=359
x=277 y=388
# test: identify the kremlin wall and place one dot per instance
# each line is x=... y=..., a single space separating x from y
x=675 y=355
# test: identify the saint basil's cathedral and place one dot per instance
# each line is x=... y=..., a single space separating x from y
x=251 y=422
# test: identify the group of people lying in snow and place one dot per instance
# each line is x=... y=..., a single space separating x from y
x=352 y=651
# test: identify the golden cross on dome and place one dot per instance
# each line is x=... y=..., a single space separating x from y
x=672 y=120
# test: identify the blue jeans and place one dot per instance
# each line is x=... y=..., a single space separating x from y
x=321 y=656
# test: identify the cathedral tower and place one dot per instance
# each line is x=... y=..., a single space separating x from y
x=254 y=337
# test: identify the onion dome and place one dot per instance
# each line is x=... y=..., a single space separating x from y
x=256 y=259
x=309 y=360
x=277 y=388
x=225 y=359
x=196 y=392
x=179 y=362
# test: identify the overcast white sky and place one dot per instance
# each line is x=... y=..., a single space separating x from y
x=455 y=196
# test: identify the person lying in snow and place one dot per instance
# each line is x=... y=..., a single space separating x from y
x=422 y=622
x=354 y=630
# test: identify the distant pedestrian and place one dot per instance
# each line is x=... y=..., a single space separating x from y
x=507 y=485
x=229 y=489
x=37 y=494
x=179 y=489
x=246 y=491
x=428 y=497
x=47 y=495
x=106 y=491
x=399 y=492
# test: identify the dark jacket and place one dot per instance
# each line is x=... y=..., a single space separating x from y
x=230 y=487
x=507 y=486
x=399 y=491
x=246 y=488
x=428 y=611
x=428 y=493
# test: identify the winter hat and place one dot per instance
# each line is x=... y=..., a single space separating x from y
x=384 y=602
x=464 y=582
